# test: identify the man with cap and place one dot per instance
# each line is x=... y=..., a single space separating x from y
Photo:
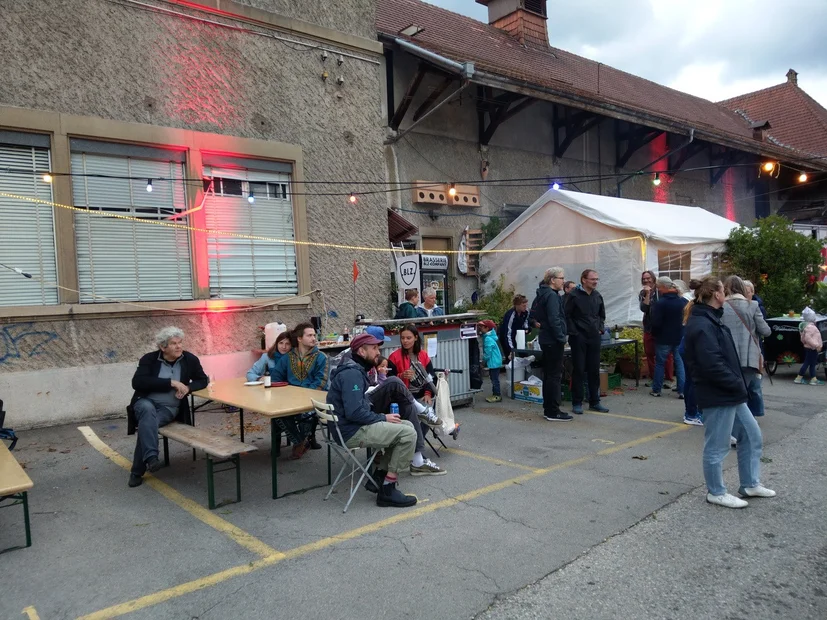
x=393 y=390
x=362 y=426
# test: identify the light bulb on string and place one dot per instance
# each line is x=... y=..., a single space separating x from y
x=768 y=166
x=452 y=191
x=149 y=185
x=656 y=180
x=251 y=198
x=352 y=198
x=802 y=178
x=47 y=178
x=555 y=185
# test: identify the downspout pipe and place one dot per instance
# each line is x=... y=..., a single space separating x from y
x=689 y=141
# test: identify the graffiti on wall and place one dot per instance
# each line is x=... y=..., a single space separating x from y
x=20 y=341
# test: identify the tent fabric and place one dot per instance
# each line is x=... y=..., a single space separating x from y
x=619 y=238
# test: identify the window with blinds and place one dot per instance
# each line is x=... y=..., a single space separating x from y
x=27 y=232
x=126 y=259
x=242 y=267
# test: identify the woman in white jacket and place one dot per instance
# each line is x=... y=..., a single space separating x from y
x=744 y=319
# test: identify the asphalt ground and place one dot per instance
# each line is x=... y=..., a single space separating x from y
x=526 y=502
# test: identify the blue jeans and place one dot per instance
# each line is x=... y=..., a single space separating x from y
x=810 y=362
x=494 y=374
x=755 y=396
x=662 y=351
x=150 y=418
x=719 y=424
x=690 y=404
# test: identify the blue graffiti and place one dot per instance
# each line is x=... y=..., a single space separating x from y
x=19 y=341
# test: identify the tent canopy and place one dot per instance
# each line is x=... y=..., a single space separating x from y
x=672 y=224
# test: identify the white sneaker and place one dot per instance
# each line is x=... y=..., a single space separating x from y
x=732 y=441
x=757 y=491
x=726 y=500
x=696 y=421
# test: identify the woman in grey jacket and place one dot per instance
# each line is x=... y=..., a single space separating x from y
x=746 y=322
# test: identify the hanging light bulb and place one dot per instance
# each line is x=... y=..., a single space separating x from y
x=47 y=178
x=352 y=198
x=656 y=180
x=452 y=191
x=768 y=166
x=149 y=185
x=555 y=185
x=251 y=198
x=802 y=178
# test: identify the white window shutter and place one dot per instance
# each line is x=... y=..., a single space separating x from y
x=241 y=267
x=122 y=259
x=27 y=232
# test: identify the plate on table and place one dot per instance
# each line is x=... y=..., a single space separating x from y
x=254 y=383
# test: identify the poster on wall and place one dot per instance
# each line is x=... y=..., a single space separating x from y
x=407 y=275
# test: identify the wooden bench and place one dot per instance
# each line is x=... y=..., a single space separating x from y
x=14 y=485
x=218 y=448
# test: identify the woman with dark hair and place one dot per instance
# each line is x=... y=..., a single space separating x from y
x=281 y=346
x=721 y=392
x=411 y=364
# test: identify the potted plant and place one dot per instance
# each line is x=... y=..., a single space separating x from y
x=626 y=353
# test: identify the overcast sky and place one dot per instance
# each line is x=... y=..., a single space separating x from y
x=711 y=48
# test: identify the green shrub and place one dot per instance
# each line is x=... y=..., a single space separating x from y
x=497 y=301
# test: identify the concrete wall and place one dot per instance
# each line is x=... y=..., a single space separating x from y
x=445 y=147
x=103 y=60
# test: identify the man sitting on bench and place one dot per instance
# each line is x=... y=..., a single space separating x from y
x=162 y=382
x=362 y=427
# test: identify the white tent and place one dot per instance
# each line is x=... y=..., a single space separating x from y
x=619 y=238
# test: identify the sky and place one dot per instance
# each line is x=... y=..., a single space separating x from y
x=714 y=49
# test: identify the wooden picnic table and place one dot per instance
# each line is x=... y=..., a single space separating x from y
x=273 y=403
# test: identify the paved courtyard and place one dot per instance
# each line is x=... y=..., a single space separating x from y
x=607 y=508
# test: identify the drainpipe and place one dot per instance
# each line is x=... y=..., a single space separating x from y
x=654 y=161
x=465 y=69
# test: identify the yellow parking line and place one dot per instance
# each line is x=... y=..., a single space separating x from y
x=631 y=417
x=238 y=535
x=408 y=515
x=489 y=459
x=31 y=612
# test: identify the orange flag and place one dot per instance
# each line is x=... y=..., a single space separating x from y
x=355 y=271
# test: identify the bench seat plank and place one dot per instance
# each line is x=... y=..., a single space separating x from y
x=13 y=479
x=215 y=445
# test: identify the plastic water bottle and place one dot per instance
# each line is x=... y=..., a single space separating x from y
x=394 y=409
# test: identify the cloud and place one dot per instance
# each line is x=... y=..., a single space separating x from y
x=709 y=48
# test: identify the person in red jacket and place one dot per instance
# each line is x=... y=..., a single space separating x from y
x=411 y=364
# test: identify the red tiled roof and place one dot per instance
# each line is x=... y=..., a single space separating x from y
x=797 y=120
x=462 y=39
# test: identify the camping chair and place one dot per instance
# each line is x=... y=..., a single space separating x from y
x=324 y=413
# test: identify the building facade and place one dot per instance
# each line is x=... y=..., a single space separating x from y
x=246 y=120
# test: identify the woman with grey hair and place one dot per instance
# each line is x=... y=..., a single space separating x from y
x=744 y=319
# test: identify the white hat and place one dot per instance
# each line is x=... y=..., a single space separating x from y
x=808 y=315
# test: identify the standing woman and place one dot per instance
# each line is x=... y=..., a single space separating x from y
x=721 y=393
x=744 y=319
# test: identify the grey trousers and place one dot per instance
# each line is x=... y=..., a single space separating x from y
x=393 y=390
x=149 y=418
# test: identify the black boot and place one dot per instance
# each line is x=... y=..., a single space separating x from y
x=379 y=476
x=135 y=480
x=390 y=496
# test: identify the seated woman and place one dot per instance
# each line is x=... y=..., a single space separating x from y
x=280 y=347
x=411 y=364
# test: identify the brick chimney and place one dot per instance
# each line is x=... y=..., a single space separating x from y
x=792 y=76
x=525 y=20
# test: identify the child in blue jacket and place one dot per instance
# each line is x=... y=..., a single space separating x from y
x=492 y=356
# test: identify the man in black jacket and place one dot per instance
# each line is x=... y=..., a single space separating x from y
x=513 y=321
x=666 y=320
x=547 y=310
x=585 y=318
x=162 y=382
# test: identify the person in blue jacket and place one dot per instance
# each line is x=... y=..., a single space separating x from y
x=712 y=361
x=279 y=349
x=303 y=366
x=666 y=319
x=492 y=356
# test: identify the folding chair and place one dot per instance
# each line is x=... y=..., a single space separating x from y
x=324 y=413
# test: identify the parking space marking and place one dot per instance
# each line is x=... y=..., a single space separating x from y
x=248 y=541
x=631 y=417
x=489 y=459
x=31 y=613
x=244 y=569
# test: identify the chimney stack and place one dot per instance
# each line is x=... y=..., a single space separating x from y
x=524 y=20
x=792 y=77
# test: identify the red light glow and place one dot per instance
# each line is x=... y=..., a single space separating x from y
x=657 y=148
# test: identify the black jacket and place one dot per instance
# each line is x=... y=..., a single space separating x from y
x=145 y=381
x=667 y=319
x=712 y=360
x=507 y=333
x=547 y=309
x=585 y=314
x=348 y=395
x=646 y=309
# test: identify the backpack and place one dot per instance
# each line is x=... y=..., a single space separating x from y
x=536 y=313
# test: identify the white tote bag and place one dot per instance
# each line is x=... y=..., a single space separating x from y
x=443 y=406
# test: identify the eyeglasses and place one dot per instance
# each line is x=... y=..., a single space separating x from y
x=558 y=278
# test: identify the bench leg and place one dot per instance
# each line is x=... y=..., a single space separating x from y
x=275 y=435
x=210 y=484
x=26 y=519
x=166 y=451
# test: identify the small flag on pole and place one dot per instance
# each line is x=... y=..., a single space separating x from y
x=355 y=271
